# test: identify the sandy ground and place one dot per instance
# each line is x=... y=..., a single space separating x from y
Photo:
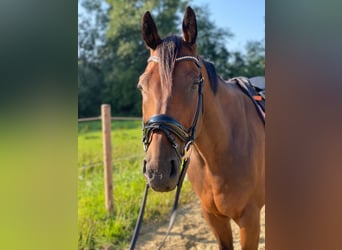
x=190 y=232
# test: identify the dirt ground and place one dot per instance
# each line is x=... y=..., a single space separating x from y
x=190 y=232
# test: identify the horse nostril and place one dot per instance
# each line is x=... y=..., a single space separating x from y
x=150 y=174
x=144 y=167
x=173 y=171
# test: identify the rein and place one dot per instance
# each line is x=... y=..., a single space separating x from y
x=170 y=127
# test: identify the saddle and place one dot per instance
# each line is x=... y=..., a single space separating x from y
x=254 y=88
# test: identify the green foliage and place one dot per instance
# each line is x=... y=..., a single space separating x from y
x=255 y=58
x=92 y=24
x=96 y=229
x=90 y=89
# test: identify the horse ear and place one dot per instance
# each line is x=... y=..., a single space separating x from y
x=149 y=31
x=189 y=26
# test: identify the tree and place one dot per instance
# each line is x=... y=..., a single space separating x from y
x=90 y=87
x=237 y=65
x=92 y=25
x=255 y=58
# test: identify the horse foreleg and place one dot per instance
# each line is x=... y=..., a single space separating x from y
x=249 y=223
x=220 y=226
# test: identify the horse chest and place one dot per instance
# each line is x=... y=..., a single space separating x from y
x=216 y=194
x=224 y=203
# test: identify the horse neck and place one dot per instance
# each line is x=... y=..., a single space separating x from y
x=223 y=119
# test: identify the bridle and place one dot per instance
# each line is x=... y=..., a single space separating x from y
x=170 y=127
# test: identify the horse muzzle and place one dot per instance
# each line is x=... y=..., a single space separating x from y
x=162 y=175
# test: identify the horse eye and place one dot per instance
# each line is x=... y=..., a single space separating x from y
x=194 y=85
x=197 y=82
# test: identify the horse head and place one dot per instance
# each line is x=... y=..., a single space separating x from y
x=171 y=88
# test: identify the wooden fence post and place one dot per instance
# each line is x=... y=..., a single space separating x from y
x=107 y=157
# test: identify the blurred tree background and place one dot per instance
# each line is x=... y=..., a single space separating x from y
x=111 y=54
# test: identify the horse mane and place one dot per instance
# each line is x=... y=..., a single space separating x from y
x=168 y=51
x=210 y=67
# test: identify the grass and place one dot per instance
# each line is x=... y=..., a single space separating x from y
x=95 y=228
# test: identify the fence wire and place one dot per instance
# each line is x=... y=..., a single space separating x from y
x=85 y=167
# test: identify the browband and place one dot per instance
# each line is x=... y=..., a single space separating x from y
x=178 y=59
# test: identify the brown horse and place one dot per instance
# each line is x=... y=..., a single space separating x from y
x=188 y=111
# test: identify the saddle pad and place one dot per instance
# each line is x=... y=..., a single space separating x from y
x=256 y=94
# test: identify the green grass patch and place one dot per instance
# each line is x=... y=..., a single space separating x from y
x=95 y=228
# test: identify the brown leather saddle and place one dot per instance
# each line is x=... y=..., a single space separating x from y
x=255 y=88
